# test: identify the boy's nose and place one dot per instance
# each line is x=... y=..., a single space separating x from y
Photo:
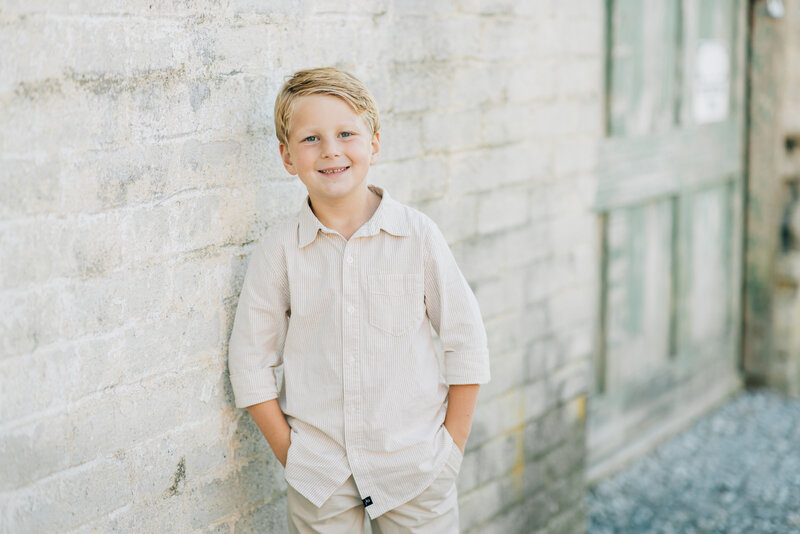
x=330 y=149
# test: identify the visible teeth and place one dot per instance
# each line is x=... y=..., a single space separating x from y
x=330 y=171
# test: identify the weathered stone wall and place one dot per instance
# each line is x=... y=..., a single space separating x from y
x=138 y=165
x=772 y=289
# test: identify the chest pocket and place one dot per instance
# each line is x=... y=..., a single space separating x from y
x=396 y=302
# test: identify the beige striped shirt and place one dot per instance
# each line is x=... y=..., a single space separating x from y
x=350 y=320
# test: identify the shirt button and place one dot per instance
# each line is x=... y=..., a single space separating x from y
x=349 y=259
x=351 y=360
x=350 y=309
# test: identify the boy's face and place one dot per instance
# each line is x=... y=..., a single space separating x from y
x=330 y=148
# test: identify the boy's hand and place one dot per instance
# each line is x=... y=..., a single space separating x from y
x=461 y=441
x=270 y=420
x=460 y=406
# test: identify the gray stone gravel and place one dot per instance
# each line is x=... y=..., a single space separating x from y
x=734 y=471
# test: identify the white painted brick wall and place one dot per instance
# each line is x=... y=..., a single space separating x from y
x=138 y=165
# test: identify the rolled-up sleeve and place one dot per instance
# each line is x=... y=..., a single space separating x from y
x=259 y=328
x=453 y=311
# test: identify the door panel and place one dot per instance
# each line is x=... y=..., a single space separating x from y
x=639 y=283
x=669 y=202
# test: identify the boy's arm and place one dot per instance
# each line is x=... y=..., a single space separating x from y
x=270 y=420
x=256 y=343
x=460 y=408
x=453 y=311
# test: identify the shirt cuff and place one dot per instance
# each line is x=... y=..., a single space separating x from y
x=467 y=367
x=253 y=388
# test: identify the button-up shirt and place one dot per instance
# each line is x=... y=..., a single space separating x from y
x=363 y=391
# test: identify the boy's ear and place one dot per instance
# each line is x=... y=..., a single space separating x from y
x=287 y=159
x=375 y=145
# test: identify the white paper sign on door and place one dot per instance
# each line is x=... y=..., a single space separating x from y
x=711 y=85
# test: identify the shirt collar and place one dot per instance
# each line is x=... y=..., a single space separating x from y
x=389 y=217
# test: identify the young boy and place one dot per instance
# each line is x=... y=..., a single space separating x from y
x=344 y=295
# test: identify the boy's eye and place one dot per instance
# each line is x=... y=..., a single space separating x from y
x=346 y=134
x=310 y=139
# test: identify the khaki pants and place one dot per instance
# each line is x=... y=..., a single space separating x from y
x=433 y=511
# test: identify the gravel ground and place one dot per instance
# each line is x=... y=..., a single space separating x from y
x=734 y=471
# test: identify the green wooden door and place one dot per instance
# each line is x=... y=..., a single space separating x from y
x=669 y=204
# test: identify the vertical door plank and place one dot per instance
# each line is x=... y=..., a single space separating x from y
x=642 y=66
x=639 y=286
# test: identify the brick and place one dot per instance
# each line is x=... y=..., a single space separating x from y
x=537 y=322
x=209 y=499
x=412 y=180
x=88 y=124
x=260 y=52
x=504 y=7
x=577 y=228
x=580 y=76
x=578 y=343
x=571 y=380
x=111 y=7
x=486 y=169
x=580 y=37
x=511 y=32
x=455 y=216
x=52 y=371
x=482 y=503
x=269 y=517
x=142 y=514
x=537 y=355
x=422 y=8
x=37 y=449
x=31 y=264
x=164 y=465
x=546 y=39
x=492 y=460
x=480 y=257
x=578 y=155
x=499 y=210
x=570 y=307
x=124 y=416
x=496 y=415
x=581 y=9
x=536 y=80
x=508 y=123
x=30 y=186
x=73 y=497
x=537 y=399
x=417 y=87
x=452 y=39
x=498 y=296
x=514 y=519
x=505 y=333
x=237 y=106
x=450 y=131
x=400 y=137
x=508 y=372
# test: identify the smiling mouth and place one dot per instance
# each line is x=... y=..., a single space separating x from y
x=334 y=171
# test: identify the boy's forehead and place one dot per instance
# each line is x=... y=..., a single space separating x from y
x=318 y=110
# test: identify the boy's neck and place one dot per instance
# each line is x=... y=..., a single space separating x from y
x=348 y=214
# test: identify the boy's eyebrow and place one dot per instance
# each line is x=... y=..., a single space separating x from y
x=305 y=131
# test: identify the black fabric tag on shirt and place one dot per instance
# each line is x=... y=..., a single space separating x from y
x=367 y=501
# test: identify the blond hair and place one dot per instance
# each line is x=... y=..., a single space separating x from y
x=326 y=81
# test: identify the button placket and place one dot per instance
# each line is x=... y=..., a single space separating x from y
x=350 y=344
